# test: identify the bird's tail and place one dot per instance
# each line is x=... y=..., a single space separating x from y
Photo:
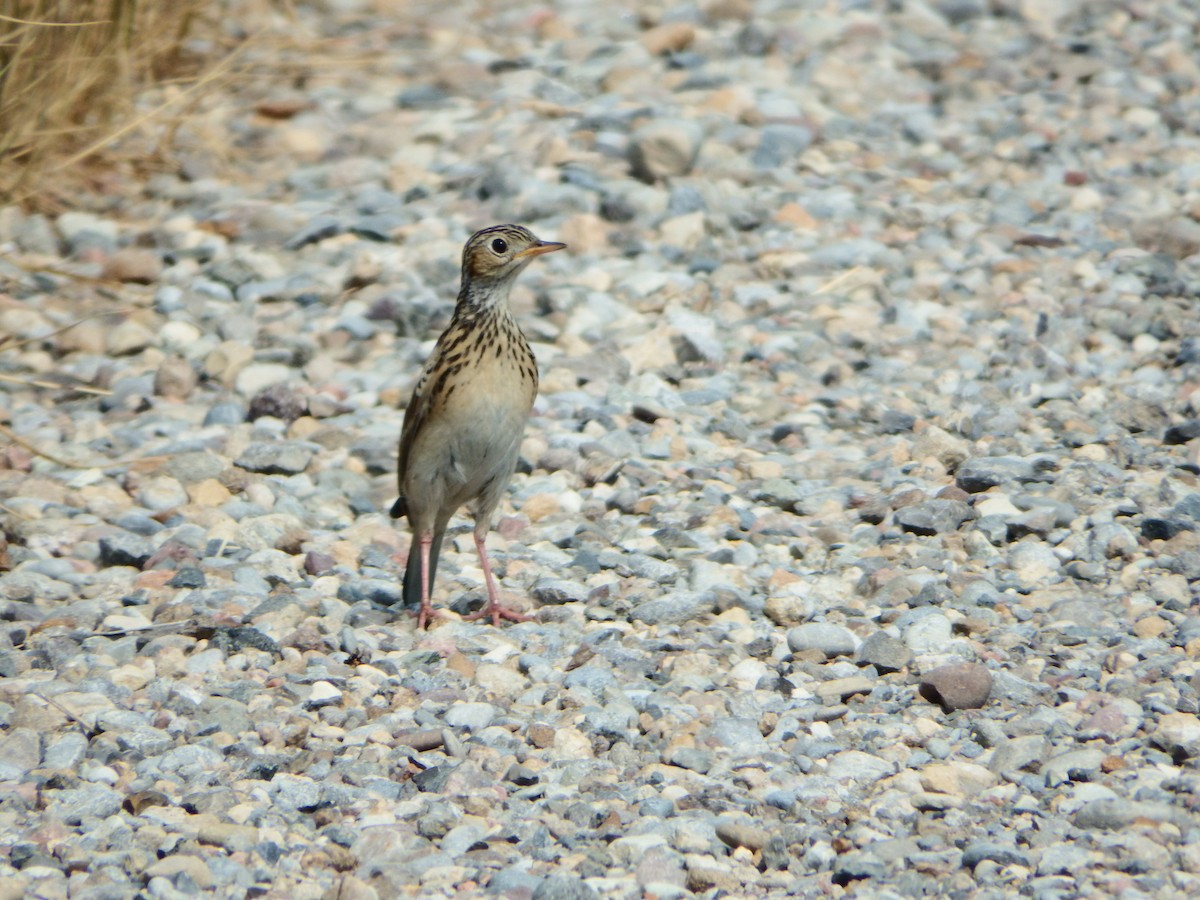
x=412 y=572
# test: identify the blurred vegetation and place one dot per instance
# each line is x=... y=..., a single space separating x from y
x=71 y=73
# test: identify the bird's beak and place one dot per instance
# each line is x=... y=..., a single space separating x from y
x=539 y=248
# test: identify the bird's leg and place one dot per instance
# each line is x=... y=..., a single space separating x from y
x=427 y=611
x=493 y=607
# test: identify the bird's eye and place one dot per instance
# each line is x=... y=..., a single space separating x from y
x=499 y=245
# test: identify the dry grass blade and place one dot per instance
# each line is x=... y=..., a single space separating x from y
x=70 y=72
x=61 y=382
x=838 y=280
x=57 y=460
x=7 y=342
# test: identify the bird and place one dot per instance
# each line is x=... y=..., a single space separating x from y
x=464 y=423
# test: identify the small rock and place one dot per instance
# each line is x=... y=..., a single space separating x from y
x=129 y=337
x=978 y=851
x=1016 y=755
x=1074 y=765
x=554 y=591
x=670 y=37
x=675 y=609
x=980 y=473
x=1105 y=814
x=1178 y=734
x=957 y=686
x=1177 y=236
x=692 y=758
x=123 y=549
x=133 y=265
x=520 y=775
x=741 y=834
x=563 y=887
x=857 y=865
x=283 y=458
x=929 y=631
x=225 y=412
x=788 y=609
x=664 y=148
x=1183 y=432
x=832 y=640
x=257 y=377
x=781 y=145
x=958 y=778
x=278 y=401
x=933 y=516
x=884 y=652
x=161 y=494
x=841 y=689
x=472 y=716
x=321 y=694
x=175 y=378
x=20 y=751
x=194 y=868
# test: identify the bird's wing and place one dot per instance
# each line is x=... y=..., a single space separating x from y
x=416 y=415
x=444 y=362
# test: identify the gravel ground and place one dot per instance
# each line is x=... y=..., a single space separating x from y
x=857 y=515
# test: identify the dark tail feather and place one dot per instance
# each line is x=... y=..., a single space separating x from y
x=412 y=572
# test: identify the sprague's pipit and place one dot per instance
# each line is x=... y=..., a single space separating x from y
x=463 y=426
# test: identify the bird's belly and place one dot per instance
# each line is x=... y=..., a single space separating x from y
x=478 y=433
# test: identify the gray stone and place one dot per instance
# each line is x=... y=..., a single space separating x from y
x=1014 y=756
x=831 y=640
x=472 y=716
x=978 y=851
x=933 y=516
x=295 y=792
x=781 y=145
x=692 y=758
x=75 y=806
x=664 y=148
x=124 y=549
x=65 y=752
x=225 y=412
x=982 y=472
x=563 y=887
x=958 y=686
x=675 y=609
x=1074 y=765
x=1105 y=814
x=283 y=458
x=884 y=652
x=20 y=751
x=1065 y=858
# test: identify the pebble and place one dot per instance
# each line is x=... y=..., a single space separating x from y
x=933 y=516
x=831 y=640
x=958 y=686
x=1179 y=734
x=284 y=458
x=664 y=148
x=134 y=265
x=884 y=652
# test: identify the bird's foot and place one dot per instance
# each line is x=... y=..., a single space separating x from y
x=426 y=613
x=498 y=612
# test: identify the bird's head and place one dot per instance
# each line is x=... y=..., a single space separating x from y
x=499 y=253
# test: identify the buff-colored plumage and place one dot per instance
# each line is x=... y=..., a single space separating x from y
x=463 y=426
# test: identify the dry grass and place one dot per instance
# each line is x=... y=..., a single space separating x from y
x=70 y=72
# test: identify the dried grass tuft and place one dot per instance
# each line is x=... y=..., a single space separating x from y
x=70 y=72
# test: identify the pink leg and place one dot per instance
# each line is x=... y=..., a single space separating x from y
x=427 y=611
x=493 y=608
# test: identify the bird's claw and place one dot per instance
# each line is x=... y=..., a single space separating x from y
x=498 y=612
